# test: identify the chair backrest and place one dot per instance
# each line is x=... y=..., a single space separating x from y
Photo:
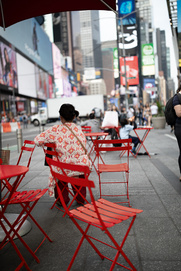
x=50 y=150
x=107 y=145
x=63 y=175
x=28 y=147
x=86 y=129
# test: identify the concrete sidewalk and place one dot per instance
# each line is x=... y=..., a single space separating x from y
x=154 y=242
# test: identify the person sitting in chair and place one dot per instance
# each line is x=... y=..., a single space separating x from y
x=70 y=144
x=125 y=130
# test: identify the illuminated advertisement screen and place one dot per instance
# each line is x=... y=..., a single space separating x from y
x=131 y=67
x=26 y=77
x=42 y=82
x=125 y=7
x=128 y=40
x=51 y=94
x=8 y=66
x=148 y=59
x=56 y=61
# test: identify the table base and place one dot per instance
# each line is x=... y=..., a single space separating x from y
x=25 y=228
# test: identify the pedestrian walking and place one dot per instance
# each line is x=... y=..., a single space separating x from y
x=177 y=128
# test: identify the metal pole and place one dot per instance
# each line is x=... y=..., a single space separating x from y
x=41 y=128
x=19 y=139
x=122 y=30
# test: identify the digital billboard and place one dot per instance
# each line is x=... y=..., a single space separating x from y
x=148 y=59
x=131 y=67
x=42 y=82
x=150 y=87
x=56 y=61
x=125 y=7
x=26 y=77
x=8 y=66
x=128 y=40
x=29 y=38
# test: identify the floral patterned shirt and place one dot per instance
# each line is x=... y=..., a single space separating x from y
x=68 y=147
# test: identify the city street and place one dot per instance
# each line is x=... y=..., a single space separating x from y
x=155 y=240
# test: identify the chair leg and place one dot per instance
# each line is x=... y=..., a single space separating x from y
x=100 y=192
x=119 y=248
x=84 y=235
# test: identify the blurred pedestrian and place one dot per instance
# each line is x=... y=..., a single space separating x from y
x=93 y=122
x=125 y=130
x=177 y=108
x=25 y=121
x=147 y=114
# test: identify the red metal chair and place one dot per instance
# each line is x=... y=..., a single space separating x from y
x=101 y=214
x=50 y=152
x=26 y=151
x=86 y=129
x=122 y=168
x=27 y=200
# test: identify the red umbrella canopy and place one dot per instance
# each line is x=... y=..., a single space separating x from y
x=18 y=10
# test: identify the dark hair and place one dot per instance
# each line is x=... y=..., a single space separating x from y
x=91 y=116
x=123 y=122
x=179 y=89
x=68 y=112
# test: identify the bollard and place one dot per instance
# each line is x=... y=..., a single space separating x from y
x=19 y=136
x=41 y=128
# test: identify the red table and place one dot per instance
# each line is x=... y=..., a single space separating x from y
x=146 y=130
x=9 y=171
x=6 y=172
x=95 y=136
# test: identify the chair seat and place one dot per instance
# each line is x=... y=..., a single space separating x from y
x=25 y=196
x=113 y=168
x=111 y=213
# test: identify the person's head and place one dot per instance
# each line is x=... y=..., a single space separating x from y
x=123 y=122
x=68 y=113
x=179 y=89
x=92 y=116
x=114 y=108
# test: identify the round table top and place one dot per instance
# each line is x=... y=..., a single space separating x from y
x=9 y=171
x=96 y=134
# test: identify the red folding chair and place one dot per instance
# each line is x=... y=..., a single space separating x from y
x=26 y=151
x=50 y=152
x=101 y=214
x=27 y=200
x=122 y=168
x=87 y=129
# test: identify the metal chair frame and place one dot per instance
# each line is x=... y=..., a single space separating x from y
x=28 y=149
x=27 y=200
x=102 y=167
x=101 y=214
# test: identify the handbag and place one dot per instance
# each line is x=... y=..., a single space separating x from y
x=47 y=155
x=110 y=119
x=5 y=156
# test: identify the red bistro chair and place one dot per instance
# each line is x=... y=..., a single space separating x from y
x=122 y=168
x=26 y=151
x=87 y=129
x=27 y=200
x=101 y=214
x=50 y=152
